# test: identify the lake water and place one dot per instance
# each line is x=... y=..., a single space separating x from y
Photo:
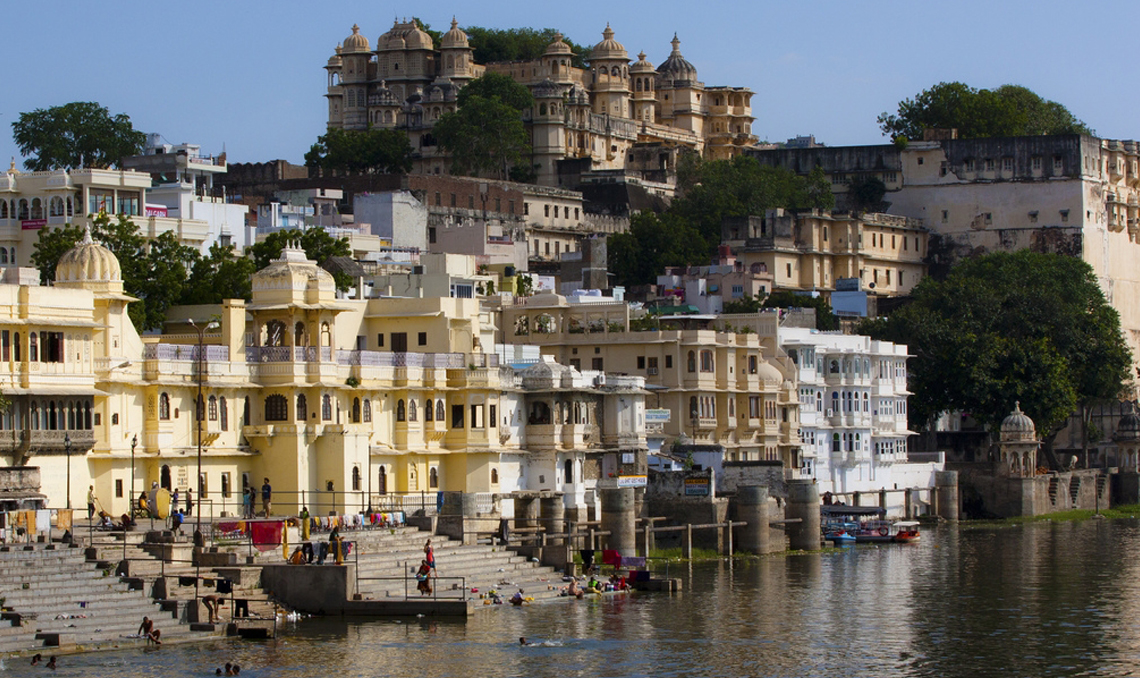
x=1046 y=599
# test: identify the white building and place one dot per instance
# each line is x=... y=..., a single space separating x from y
x=853 y=423
x=183 y=187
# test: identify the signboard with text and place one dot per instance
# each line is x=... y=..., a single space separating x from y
x=657 y=416
x=33 y=224
x=697 y=487
x=632 y=481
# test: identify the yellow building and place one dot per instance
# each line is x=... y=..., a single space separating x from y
x=722 y=388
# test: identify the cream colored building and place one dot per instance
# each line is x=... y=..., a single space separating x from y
x=341 y=403
x=599 y=112
x=811 y=250
x=722 y=388
x=33 y=201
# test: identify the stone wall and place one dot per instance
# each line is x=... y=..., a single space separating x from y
x=766 y=473
x=984 y=495
x=20 y=479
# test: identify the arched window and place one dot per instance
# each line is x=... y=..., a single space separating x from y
x=245 y=412
x=302 y=407
x=835 y=402
x=213 y=408
x=834 y=367
x=568 y=471
x=275 y=333
x=224 y=414
x=401 y=413
x=164 y=407
x=326 y=335
x=87 y=416
x=355 y=410
x=326 y=407
x=356 y=478
x=35 y=416
x=542 y=109
x=412 y=414
x=439 y=410
x=276 y=408
x=428 y=411
x=692 y=361
x=694 y=411
x=299 y=334
x=367 y=410
x=33 y=347
x=433 y=478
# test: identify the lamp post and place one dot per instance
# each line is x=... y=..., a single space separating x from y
x=131 y=494
x=200 y=414
x=67 y=452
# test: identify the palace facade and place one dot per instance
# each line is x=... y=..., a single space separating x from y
x=598 y=113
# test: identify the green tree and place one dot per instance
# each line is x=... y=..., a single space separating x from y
x=653 y=242
x=825 y=318
x=51 y=244
x=746 y=304
x=355 y=152
x=224 y=274
x=1009 y=110
x=79 y=134
x=316 y=242
x=153 y=271
x=485 y=135
x=865 y=194
x=492 y=45
x=1003 y=328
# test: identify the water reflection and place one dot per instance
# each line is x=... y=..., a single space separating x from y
x=1049 y=599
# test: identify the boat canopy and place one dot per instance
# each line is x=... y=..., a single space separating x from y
x=834 y=510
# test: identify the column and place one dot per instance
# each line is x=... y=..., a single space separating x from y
x=752 y=508
x=946 y=489
x=803 y=503
x=619 y=520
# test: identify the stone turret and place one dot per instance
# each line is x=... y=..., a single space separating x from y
x=1018 y=445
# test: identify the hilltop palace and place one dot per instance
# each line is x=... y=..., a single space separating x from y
x=596 y=115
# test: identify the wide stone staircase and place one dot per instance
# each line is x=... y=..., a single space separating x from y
x=52 y=595
x=387 y=560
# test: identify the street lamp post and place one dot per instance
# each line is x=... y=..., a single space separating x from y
x=67 y=452
x=131 y=494
x=200 y=414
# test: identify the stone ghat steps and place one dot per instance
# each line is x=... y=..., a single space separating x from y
x=60 y=597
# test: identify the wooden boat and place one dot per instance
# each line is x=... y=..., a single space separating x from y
x=867 y=524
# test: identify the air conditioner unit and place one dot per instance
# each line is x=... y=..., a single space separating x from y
x=830 y=412
x=600 y=380
x=652 y=371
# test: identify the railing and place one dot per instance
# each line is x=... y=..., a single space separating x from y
x=185 y=352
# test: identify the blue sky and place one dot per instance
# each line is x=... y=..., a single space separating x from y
x=248 y=74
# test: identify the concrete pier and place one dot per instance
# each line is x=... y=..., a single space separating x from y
x=752 y=508
x=946 y=494
x=619 y=518
x=803 y=503
x=527 y=510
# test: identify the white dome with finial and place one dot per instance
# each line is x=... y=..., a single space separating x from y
x=355 y=42
x=88 y=262
x=1018 y=426
x=455 y=37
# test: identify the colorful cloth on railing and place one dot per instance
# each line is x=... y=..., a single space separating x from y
x=266 y=535
x=63 y=519
x=43 y=520
x=231 y=526
x=611 y=557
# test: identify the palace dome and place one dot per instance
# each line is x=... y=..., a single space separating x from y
x=88 y=262
x=355 y=42
x=1128 y=428
x=608 y=48
x=455 y=37
x=416 y=38
x=642 y=65
x=676 y=67
x=769 y=374
x=293 y=270
x=335 y=61
x=558 y=47
x=1018 y=426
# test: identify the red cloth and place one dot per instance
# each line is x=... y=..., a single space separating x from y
x=611 y=557
x=228 y=527
x=266 y=535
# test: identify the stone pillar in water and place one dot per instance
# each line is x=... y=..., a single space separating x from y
x=752 y=508
x=553 y=511
x=946 y=489
x=619 y=519
x=803 y=503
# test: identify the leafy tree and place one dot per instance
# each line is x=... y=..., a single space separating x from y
x=653 y=242
x=79 y=134
x=825 y=319
x=51 y=244
x=1002 y=328
x=485 y=135
x=865 y=194
x=153 y=271
x=354 y=152
x=316 y=242
x=223 y=274
x=1009 y=110
x=493 y=45
x=746 y=304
